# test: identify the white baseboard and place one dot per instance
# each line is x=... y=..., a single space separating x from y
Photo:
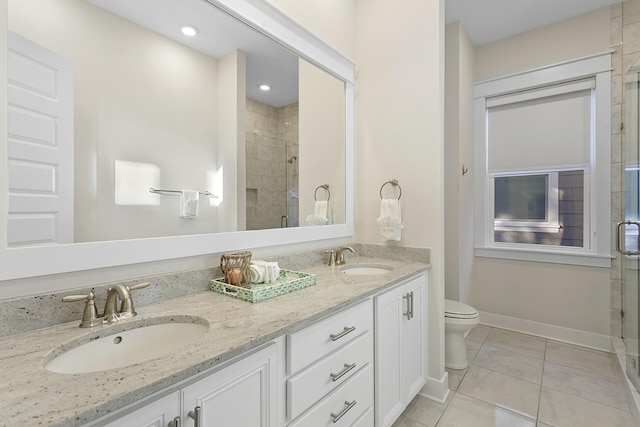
x=436 y=389
x=545 y=330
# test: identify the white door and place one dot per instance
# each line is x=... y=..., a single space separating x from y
x=40 y=145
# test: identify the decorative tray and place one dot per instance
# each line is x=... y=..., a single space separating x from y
x=288 y=281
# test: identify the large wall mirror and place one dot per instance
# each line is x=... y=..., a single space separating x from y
x=147 y=130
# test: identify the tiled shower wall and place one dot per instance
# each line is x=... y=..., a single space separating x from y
x=271 y=139
x=625 y=41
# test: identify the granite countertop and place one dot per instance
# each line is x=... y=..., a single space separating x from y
x=33 y=396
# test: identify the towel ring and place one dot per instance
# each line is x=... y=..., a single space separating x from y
x=326 y=187
x=393 y=182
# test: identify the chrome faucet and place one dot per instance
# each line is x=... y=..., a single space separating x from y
x=123 y=293
x=340 y=254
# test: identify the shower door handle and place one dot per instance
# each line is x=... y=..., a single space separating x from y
x=618 y=242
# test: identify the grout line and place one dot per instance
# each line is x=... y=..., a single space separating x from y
x=544 y=362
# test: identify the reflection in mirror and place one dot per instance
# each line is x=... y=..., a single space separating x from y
x=632 y=157
x=108 y=99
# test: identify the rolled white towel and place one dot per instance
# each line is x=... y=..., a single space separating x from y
x=264 y=272
x=257 y=273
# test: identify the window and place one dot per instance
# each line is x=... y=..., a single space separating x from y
x=542 y=149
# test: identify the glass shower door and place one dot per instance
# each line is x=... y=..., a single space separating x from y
x=628 y=230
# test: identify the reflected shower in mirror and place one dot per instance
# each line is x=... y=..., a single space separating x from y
x=108 y=98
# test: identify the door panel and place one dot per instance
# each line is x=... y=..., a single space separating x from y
x=40 y=145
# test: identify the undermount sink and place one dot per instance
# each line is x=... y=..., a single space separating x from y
x=366 y=270
x=139 y=342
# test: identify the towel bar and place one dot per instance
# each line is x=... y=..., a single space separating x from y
x=326 y=187
x=204 y=193
x=393 y=182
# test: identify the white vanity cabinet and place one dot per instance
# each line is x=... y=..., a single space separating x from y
x=330 y=368
x=244 y=394
x=239 y=395
x=400 y=349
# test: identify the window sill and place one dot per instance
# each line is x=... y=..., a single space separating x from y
x=548 y=256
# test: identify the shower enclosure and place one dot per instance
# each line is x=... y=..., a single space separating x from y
x=272 y=165
x=628 y=229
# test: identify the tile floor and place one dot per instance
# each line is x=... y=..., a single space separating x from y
x=517 y=380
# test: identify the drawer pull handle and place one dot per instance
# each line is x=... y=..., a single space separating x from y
x=343 y=333
x=195 y=415
x=347 y=368
x=175 y=422
x=336 y=417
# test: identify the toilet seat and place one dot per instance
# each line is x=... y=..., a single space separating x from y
x=458 y=310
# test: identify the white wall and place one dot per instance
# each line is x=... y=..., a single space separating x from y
x=544 y=297
x=330 y=20
x=170 y=120
x=230 y=150
x=458 y=155
x=570 y=39
x=321 y=148
x=399 y=125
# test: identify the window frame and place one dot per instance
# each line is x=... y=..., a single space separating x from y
x=597 y=243
x=549 y=225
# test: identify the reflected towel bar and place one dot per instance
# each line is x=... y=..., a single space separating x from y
x=393 y=182
x=203 y=193
x=326 y=187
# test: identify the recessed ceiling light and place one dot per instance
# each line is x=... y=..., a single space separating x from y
x=265 y=87
x=188 y=30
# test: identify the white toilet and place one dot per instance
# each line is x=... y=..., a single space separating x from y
x=459 y=319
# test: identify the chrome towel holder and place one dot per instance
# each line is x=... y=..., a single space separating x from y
x=202 y=193
x=393 y=182
x=326 y=188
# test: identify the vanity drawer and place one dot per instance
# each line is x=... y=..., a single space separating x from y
x=365 y=420
x=310 y=385
x=326 y=336
x=351 y=400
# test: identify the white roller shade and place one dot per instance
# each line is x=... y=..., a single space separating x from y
x=548 y=128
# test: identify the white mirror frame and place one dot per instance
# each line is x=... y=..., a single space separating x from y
x=16 y=263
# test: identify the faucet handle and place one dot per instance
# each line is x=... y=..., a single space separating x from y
x=332 y=257
x=138 y=286
x=90 y=315
x=126 y=306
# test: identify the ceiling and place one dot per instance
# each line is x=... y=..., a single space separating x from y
x=219 y=34
x=486 y=21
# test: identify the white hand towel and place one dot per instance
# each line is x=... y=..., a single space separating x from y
x=320 y=213
x=390 y=219
x=189 y=203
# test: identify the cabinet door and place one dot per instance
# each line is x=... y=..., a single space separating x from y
x=415 y=356
x=401 y=359
x=241 y=395
x=156 y=414
x=391 y=307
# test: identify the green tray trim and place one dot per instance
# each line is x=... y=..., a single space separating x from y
x=288 y=281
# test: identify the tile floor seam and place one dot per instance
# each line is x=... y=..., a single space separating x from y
x=544 y=361
x=508 y=375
